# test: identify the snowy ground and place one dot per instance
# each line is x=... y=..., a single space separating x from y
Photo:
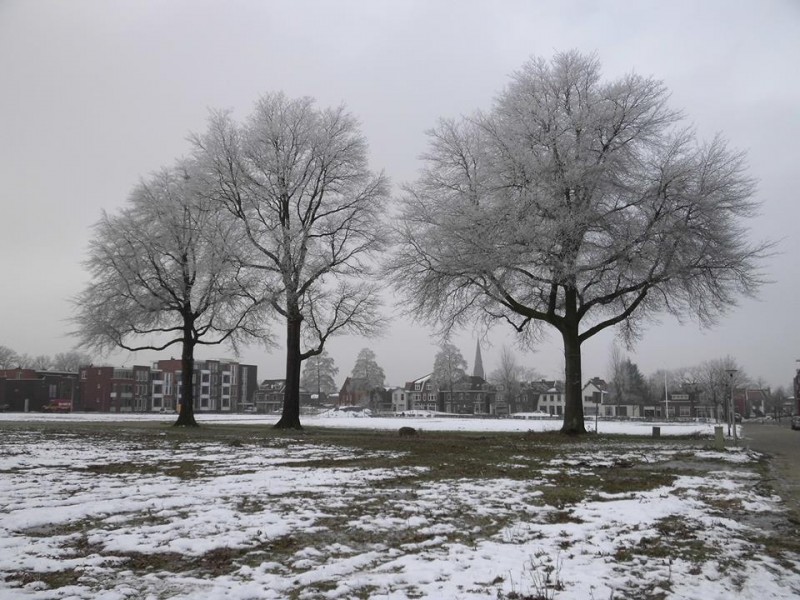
x=346 y=420
x=145 y=511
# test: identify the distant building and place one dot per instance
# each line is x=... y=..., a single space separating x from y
x=526 y=399
x=24 y=390
x=354 y=392
x=421 y=394
x=593 y=393
x=400 y=400
x=552 y=399
x=751 y=402
x=477 y=367
x=797 y=392
x=108 y=389
x=270 y=395
x=219 y=385
x=471 y=395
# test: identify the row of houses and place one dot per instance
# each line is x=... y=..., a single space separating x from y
x=228 y=386
x=219 y=386
x=473 y=395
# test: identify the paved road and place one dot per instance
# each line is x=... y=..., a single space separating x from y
x=782 y=444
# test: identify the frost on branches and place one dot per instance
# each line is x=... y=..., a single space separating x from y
x=297 y=179
x=577 y=203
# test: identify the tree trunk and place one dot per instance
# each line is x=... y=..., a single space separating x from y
x=186 y=414
x=290 y=419
x=573 y=409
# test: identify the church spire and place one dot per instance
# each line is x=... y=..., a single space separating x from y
x=477 y=369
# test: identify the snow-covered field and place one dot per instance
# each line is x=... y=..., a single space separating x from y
x=149 y=514
x=347 y=420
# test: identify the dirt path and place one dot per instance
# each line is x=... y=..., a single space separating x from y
x=782 y=444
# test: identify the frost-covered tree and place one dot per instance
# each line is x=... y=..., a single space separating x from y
x=40 y=362
x=510 y=375
x=449 y=366
x=166 y=270
x=8 y=358
x=575 y=204
x=298 y=180
x=368 y=370
x=319 y=374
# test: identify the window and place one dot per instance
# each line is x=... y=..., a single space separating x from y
x=53 y=390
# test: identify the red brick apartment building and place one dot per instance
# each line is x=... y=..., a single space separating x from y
x=220 y=386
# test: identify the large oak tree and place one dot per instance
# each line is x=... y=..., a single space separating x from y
x=579 y=204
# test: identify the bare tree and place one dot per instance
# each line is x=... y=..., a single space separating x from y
x=715 y=379
x=576 y=204
x=165 y=271
x=777 y=401
x=319 y=374
x=40 y=362
x=71 y=361
x=298 y=180
x=617 y=373
x=449 y=367
x=8 y=358
x=509 y=375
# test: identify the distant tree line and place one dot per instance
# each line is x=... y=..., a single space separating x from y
x=63 y=361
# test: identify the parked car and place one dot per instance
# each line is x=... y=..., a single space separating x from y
x=58 y=406
x=796 y=422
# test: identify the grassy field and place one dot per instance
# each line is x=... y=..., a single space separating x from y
x=144 y=510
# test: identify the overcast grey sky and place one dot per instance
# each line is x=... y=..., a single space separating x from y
x=96 y=94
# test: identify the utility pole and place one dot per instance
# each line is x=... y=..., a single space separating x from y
x=731 y=410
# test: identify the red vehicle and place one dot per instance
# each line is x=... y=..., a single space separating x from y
x=60 y=406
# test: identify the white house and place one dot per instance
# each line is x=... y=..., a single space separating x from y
x=552 y=401
x=593 y=394
x=400 y=400
x=421 y=394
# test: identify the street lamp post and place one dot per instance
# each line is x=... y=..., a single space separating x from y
x=597 y=402
x=731 y=413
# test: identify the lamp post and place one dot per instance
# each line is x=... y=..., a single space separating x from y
x=731 y=414
x=693 y=387
x=598 y=400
